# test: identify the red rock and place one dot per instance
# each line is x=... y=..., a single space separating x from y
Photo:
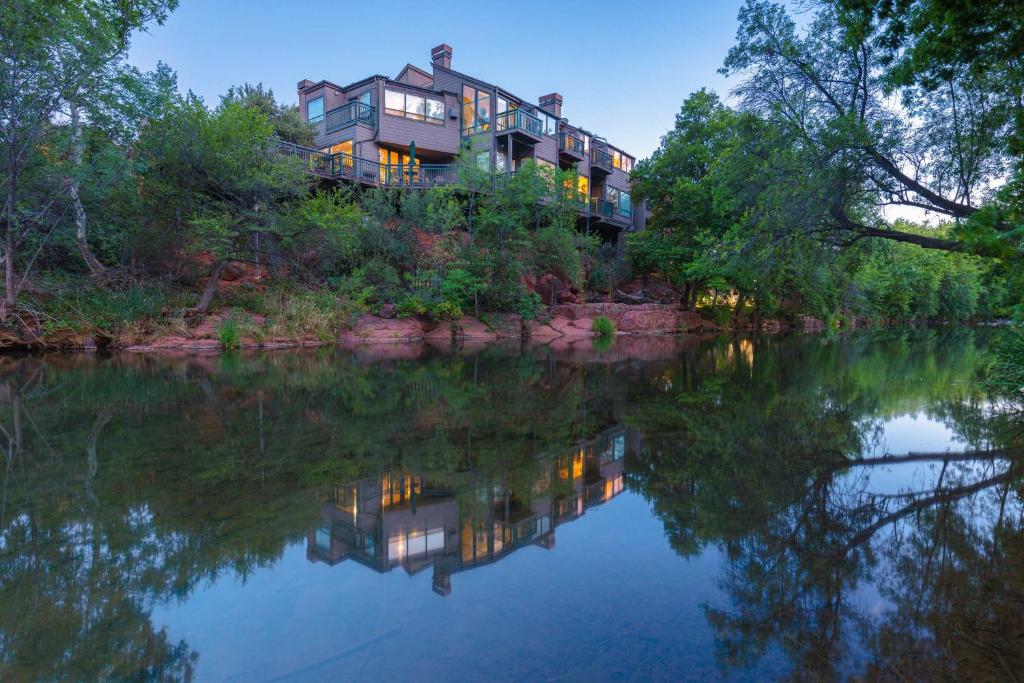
x=387 y=311
x=648 y=321
x=370 y=329
x=172 y=343
x=471 y=328
x=580 y=327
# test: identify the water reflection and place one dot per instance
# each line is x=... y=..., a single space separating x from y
x=857 y=502
x=400 y=519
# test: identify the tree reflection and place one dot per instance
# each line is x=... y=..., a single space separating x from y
x=129 y=481
x=786 y=479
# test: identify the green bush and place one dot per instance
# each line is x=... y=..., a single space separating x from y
x=229 y=333
x=603 y=326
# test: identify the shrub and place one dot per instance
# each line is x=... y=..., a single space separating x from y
x=603 y=326
x=229 y=333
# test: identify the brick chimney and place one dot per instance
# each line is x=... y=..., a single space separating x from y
x=552 y=104
x=442 y=56
x=304 y=83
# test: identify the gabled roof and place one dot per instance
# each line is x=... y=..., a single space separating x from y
x=415 y=68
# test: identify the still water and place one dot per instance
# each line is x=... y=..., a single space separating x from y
x=805 y=507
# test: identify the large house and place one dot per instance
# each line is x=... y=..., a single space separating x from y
x=408 y=131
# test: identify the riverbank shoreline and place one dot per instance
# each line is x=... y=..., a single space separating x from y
x=561 y=323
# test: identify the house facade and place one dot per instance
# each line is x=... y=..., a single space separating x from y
x=408 y=130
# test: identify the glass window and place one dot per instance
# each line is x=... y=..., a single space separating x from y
x=468 y=107
x=415 y=107
x=315 y=109
x=435 y=111
x=627 y=163
x=483 y=110
x=616 y=159
x=394 y=102
x=612 y=195
x=625 y=205
x=499 y=163
x=586 y=144
x=483 y=160
x=502 y=106
x=365 y=97
x=583 y=185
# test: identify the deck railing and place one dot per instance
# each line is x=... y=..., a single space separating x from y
x=600 y=157
x=347 y=114
x=518 y=119
x=601 y=207
x=570 y=143
x=347 y=166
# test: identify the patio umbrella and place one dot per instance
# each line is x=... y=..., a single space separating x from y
x=412 y=159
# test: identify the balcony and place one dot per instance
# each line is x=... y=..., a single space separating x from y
x=602 y=208
x=349 y=114
x=526 y=127
x=600 y=160
x=570 y=146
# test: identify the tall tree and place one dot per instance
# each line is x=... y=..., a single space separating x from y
x=54 y=55
x=863 y=141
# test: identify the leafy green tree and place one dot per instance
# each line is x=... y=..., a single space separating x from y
x=285 y=119
x=54 y=57
x=219 y=170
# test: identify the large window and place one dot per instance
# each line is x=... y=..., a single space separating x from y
x=623 y=161
x=625 y=204
x=315 y=109
x=476 y=110
x=415 y=107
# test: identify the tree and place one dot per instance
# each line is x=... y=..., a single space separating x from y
x=285 y=119
x=856 y=151
x=217 y=173
x=54 y=54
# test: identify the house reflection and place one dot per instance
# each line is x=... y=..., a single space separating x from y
x=401 y=519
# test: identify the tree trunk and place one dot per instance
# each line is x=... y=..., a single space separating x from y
x=10 y=289
x=740 y=300
x=211 y=286
x=81 y=236
x=695 y=293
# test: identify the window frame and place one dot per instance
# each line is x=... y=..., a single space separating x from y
x=405 y=113
x=316 y=119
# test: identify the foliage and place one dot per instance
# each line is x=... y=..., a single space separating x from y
x=603 y=326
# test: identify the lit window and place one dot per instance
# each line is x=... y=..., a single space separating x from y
x=616 y=159
x=315 y=109
x=476 y=110
x=583 y=185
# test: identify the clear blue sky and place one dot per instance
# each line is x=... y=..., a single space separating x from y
x=623 y=67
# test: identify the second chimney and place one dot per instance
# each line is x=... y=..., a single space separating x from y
x=552 y=104
x=442 y=56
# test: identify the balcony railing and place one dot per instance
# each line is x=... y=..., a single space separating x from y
x=418 y=175
x=370 y=172
x=347 y=114
x=518 y=119
x=571 y=144
x=602 y=208
x=601 y=158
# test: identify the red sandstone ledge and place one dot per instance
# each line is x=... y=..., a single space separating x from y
x=565 y=323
